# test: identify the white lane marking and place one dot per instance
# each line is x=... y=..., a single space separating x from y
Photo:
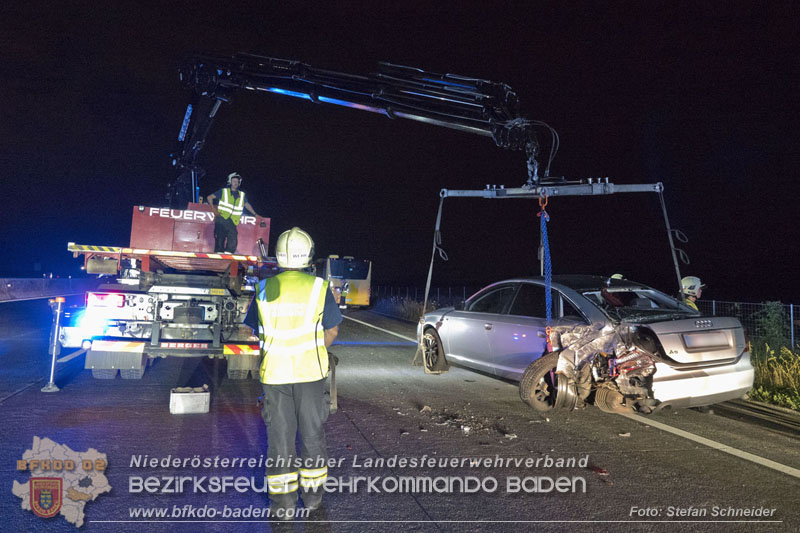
x=664 y=427
x=26 y=387
x=716 y=445
x=381 y=329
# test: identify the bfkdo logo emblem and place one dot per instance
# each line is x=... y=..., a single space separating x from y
x=46 y=496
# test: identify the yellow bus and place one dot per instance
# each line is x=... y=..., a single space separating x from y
x=349 y=279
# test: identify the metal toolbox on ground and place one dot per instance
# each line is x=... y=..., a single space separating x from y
x=185 y=400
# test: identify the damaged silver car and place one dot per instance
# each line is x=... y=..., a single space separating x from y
x=619 y=345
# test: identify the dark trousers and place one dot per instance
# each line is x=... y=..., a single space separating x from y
x=286 y=410
x=226 y=235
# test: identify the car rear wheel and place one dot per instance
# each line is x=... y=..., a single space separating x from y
x=433 y=351
x=538 y=386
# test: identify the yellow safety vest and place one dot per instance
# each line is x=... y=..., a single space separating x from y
x=229 y=209
x=691 y=304
x=290 y=332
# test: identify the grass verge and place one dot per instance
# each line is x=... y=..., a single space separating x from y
x=777 y=376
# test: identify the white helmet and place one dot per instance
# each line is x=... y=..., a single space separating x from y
x=295 y=249
x=234 y=175
x=690 y=285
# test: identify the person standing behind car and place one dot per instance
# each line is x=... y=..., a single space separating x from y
x=692 y=288
x=229 y=209
x=298 y=320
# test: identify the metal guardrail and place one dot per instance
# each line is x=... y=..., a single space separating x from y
x=16 y=289
x=777 y=419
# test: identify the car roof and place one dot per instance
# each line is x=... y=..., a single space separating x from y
x=582 y=282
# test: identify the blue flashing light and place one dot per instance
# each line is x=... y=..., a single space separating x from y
x=289 y=93
x=91 y=324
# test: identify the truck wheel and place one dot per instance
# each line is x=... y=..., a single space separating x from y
x=135 y=373
x=538 y=386
x=104 y=373
x=237 y=374
x=131 y=373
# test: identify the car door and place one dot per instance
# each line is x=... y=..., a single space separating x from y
x=467 y=340
x=518 y=337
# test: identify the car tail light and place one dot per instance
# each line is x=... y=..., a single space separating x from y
x=98 y=299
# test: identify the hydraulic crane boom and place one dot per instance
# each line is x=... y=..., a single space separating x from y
x=468 y=104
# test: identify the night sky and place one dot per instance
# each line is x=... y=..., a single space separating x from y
x=703 y=98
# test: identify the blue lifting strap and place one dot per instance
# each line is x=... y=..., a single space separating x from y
x=548 y=271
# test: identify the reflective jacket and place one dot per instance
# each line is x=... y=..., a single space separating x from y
x=230 y=208
x=290 y=332
x=691 y=304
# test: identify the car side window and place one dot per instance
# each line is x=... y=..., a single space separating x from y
x=569 y=310
x=529 y=302
x=494 y=301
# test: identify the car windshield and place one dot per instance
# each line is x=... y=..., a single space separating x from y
x=637 y=304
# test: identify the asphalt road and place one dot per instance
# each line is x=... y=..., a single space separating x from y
x=635 y=473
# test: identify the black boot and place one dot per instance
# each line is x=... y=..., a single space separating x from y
x=312 y=499
x=282 y=506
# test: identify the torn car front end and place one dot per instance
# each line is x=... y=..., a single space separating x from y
x=608 y=366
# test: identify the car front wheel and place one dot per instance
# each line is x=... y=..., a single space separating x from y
x=538 y=385
x=434 y=352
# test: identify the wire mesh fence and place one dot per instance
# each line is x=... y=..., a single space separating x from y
x=774 y=323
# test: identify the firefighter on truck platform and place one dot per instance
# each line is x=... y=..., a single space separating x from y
x=230 y=206
x=298 y=320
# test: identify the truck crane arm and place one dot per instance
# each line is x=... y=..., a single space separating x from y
x=468 y=104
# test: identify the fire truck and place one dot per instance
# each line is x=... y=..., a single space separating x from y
x=168 y=294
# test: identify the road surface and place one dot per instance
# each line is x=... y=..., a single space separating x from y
x=490 y=461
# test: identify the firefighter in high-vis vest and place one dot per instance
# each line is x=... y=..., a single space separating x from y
x=231 y=204
x=692 y=289
x=298 y=319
